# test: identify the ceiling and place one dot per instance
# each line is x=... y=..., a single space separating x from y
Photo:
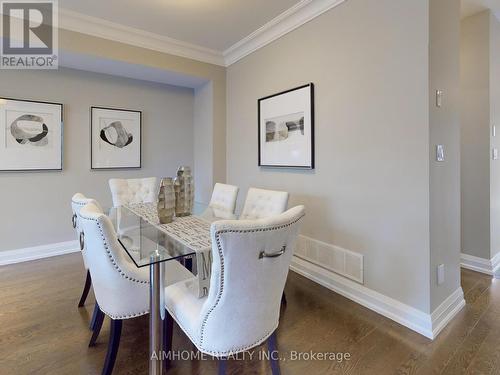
x=470 y=7
x=215 y=31
x=214 y=24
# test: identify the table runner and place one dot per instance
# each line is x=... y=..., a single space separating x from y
x=191 y=231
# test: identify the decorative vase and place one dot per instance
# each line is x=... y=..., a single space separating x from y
x=184 y=192
x=166 y=201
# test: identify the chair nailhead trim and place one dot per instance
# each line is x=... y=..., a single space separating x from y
x=182 y=327
x=216 y=353
x=113 y=261
x=110 y=256
x=221 y=287
x=120 y=271
x=135 y=315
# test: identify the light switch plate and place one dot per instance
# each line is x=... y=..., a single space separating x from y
x=439 y=98
x=494 y=155
x=439 y=153
x=493 y=131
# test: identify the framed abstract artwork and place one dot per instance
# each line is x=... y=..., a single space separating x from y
x=115 y=138
x=31 y=136
x=286 y=128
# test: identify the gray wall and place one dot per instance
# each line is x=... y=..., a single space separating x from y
x=203 y=142
x=495 y=141
x=370 y=190
x=444 y=124
x=36 y=205
x=475 y=111
x=479 y=100
x=74 y=43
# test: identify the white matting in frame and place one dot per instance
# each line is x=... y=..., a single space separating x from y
x=286 y=129
x=31 y=136
x=115 y=138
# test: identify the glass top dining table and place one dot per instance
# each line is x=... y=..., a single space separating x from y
x=150 y=245
x=146 y=243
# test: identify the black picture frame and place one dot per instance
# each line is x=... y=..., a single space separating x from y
x=62 y=136
x=91 y=139
x=312 y=163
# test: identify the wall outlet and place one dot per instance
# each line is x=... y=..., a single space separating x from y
x=493 y=131
x=494 y=154
x=440 y=274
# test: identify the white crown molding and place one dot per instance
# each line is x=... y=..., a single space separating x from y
x=428 y=325
x=289 y=20
x=38 y=252
x=98 y=27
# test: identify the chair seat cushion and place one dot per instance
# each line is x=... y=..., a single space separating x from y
x=182 y=302
x=175 y=272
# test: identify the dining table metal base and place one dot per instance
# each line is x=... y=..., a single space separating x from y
x=156 y=315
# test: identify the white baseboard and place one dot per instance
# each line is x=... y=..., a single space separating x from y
x=445 y=312
x=487 y=266
x=428 y=325
x=38 y=252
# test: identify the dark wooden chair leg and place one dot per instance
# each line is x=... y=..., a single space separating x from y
x=272 y=346
x=94 y=316
x=86 y=288
x=97 y=327
x=113 y=344
x=222 y=366
x=168 y=332
x=283 y=299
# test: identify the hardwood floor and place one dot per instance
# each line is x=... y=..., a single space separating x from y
x=43 y=332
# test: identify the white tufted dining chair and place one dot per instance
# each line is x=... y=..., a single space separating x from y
x=223 y=201
x=77 y=202
x=134 y=190
x=250 y=265
x=121 y=289
x=261 y=203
